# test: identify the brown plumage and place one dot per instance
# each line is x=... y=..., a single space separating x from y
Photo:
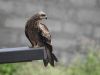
x=39 y=36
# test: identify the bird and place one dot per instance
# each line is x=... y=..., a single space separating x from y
x=39 y=36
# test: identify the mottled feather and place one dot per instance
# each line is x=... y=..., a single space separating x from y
x=39 y=36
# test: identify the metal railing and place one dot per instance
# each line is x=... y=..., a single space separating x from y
x=20 y=54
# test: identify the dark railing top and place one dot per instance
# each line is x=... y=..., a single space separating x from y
x=20 y=54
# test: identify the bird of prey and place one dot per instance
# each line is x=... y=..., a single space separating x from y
x=39 y=36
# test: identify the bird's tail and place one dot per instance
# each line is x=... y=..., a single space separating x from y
x=49 y=57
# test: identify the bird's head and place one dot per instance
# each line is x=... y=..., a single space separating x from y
x=41 y=15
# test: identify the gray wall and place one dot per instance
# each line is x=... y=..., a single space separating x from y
x=74 y=24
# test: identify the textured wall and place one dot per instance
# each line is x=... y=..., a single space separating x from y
x=73 y=23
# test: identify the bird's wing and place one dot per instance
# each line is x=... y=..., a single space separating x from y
x=26 y=30
x=45 y=34
x=46 y=37
x=26 y=33
x=29 y=34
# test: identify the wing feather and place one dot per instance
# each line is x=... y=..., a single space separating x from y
x=45 y=34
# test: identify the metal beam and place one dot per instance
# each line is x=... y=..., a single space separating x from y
x=20 y=54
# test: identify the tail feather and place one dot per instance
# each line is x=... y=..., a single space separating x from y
x=45 y=62
x=49 y=57
x=54 y=57
x=52 y=62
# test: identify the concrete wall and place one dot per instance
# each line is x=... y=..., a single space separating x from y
x=73 y=23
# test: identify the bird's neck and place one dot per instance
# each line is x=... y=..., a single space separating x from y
x=39 y=21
